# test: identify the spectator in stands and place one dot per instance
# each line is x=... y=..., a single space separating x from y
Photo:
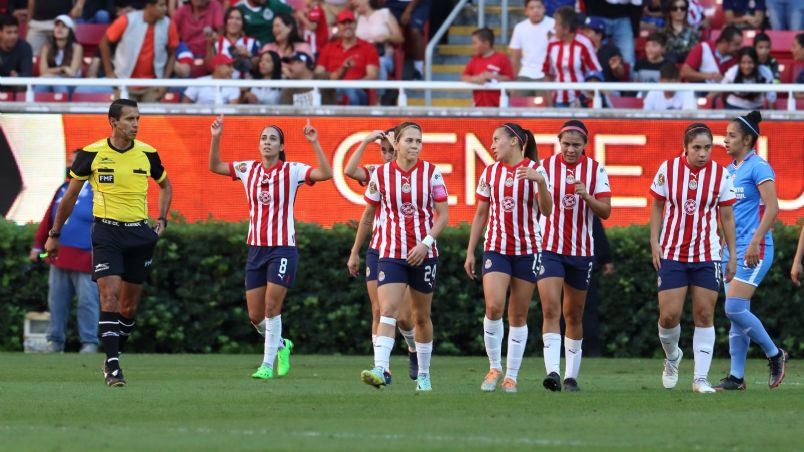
x=221 y=70
x=748 y=70
x=316 y=29
x=185 y=61
x=349 y=58
x=412 y=16
x=670 y=100
x=16 y=58
x=681 y=37
x=786 y=14
x=570 y=55
x=617 y=17
x=16 y=8
x=61 y=55
x=269 y=67
x=259 y=15
x=587 y=98
x=652 y=16
x=550 y=6
x=608 y=54
x=123 y=7
x=146 y=48
x=234 y=43
x=301 y=67
x=97 y=12
x=41 y=14
x=744 y=14
x=647 y=69
x=288 y=40
x=332 y=8
x=708 y=64
x=94 y=70
x=378 y=26
x=762 y=44
x=196 y=21
x=797 y=48
x=528 y=45
x=487 y=67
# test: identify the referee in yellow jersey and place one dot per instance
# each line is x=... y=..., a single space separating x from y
x=123 y=243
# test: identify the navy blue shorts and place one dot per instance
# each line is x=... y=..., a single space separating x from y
x=274 y=264
x=372 y=259
x=674 y=274
x=421 y=278
x=575 y=270
x=419 y=16
x=525 y=267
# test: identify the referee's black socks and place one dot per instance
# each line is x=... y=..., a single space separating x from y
x=126 y=327
x=109 y=330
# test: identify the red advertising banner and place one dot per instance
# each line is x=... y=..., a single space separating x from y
x=630 y=149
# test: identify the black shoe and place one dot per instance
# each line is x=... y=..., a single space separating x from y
x=731 y=383
x=416 y=76
x=552 y=382
x=776 y=365
x=570 y=385
x=113 y=377
x=413 y=365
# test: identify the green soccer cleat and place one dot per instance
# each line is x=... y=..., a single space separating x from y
x=263 y=373
x=283 y=359
x=375 y=377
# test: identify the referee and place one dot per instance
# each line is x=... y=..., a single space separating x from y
x=122 y=242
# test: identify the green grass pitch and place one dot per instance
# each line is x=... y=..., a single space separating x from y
x=208 y=402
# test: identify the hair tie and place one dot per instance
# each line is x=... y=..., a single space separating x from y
x=746 y=122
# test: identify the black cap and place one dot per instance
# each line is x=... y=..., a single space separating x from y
x=301 y=56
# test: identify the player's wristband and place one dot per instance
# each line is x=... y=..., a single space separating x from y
x=428 y=241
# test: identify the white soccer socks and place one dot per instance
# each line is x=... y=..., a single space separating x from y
x=424 y=350
x=669 y=339
x=572 y=356
x=383 y=345
x=703 y=344
x=273 y=334
x=408 y=335
x=517 y=340
x=493 y=338
x=552 y=353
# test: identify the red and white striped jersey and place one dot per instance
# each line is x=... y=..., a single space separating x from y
x=569 y=63
x=513 y=227
x=375 y=230
x=271 y=195
x=690 y=232
x=568 y=229
x=407 y=200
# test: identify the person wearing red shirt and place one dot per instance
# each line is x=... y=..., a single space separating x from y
x=316 y=30
x=349 y=58
x=486 y=67
x=707 y=63
x=195 y=22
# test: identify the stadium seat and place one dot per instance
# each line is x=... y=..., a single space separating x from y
x=781 y=104
x=199 y=68
x=7 y=97
x=89 y=36
x=92 y=97
x=22 y=29
x=35 y=71
x=704 y=103
x=49 y=97
x=626 y=102
x=297 y=5
x=527 y=102
x=781 y=42
x=171 y=98
x=787 y=70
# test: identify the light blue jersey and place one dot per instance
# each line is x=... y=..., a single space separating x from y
x=749 y=209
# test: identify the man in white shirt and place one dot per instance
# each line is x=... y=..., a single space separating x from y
x=529 y=45
x=670 y=100
x=221 y=70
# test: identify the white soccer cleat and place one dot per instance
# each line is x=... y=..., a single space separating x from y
x=670 y=373
x=702 y=386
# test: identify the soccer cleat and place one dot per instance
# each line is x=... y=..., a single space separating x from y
x=490 y=383
x=413 y=365
x=375 y=377
x=283 y=359
x=263 y=373
x=731 y=383
x=776 y=365
x=423 y=383
x=571 y=385
x=552 y=382
x=509 y=385
x=387 y=374
x=670 y=373
x=702 y=386
x=113 y=378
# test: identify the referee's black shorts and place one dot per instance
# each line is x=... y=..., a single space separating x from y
x=122 y=249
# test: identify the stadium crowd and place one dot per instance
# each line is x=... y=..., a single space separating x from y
x=587 y=40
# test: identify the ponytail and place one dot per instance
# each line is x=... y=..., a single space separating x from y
x=525 y=138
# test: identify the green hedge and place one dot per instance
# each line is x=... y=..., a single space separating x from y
x=194 y=301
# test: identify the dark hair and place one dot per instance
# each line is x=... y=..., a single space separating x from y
x=293 y=35
x=229 y=11
x=573 y=124
x=755 y=74
x=116 y=109
x=485 y=34
x=668 y=20
x=281 y=139
x=658 y=37
x=728 y=33
x=669 y=70
x=761 y=37
x=527 y=2
x=376 y=4
x=568 y=17
x=276 y=74
x=384 y=138
x=525 y=138
x=8 y=21
x=67 y=58
x=150 y=2
x=749 y=125
x=695 y=129
x=402 y=127
x=800 y=39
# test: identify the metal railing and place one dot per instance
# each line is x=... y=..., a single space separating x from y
x=406 y=86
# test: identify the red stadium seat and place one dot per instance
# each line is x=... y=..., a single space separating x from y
x=781 y=42
x=297 y=5
x=199 y=68
x=527 y=102
x=89 y=36
x=92 y=97
x=35 y=71
x=49 y=97
x=7 y=97
x=626 y=102
x=22 y=29
x=781 y=104
x=171 y=98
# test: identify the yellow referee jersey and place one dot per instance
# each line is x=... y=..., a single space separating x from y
x=119 y=178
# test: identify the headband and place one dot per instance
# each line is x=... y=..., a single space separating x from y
x=572 y=129
x=521 y=140
x=699 y=128
x=745 y=121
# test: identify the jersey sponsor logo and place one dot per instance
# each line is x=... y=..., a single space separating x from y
x=408 y=209
x=660 y=180
x=690 y=206
x=242 y=167
x=569 y=201
x=106 y=178
x=265 y=197
x=373 y=187
x=508 y=204
x=488 y=264
x=108 y=160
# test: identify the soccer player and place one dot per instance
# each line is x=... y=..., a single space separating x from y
x=797 y=270
x=271 y=184
x=123 y=243
x=362 y=175
x=754 y=213
x=511 y=193
x=413 y=198
x=691 y=192
x=580 y=191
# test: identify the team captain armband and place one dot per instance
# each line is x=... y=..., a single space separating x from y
x=439 y=193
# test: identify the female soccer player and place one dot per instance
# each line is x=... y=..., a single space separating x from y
x=271 y=185
x=410 y=192
x=362 y=175
x=580 y=191
x=686 y=249
x=754 y=213
x=513 y=190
